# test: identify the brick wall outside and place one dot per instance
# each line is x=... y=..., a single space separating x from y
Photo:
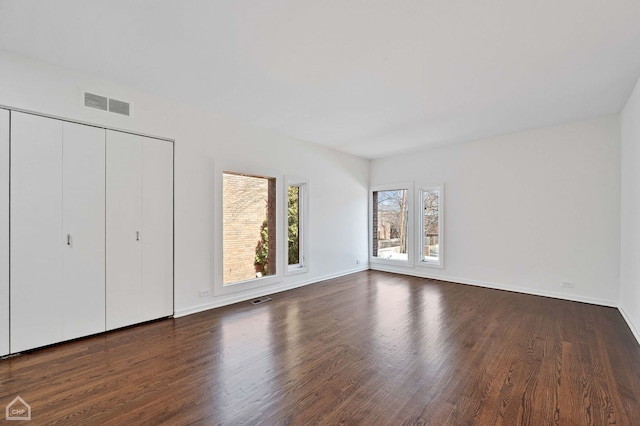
x=245 y=207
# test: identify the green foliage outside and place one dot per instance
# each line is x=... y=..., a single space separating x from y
x=262 y=248
x=294 y=222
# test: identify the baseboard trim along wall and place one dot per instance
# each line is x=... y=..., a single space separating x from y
x=495 y=286
x=632 y=327
x=259 y=292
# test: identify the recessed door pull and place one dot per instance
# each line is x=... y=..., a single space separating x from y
x=137 y=235
x=69 y=239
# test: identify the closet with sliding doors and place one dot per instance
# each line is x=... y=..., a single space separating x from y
x=90 y=230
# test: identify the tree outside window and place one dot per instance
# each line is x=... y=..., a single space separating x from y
x=390 y=224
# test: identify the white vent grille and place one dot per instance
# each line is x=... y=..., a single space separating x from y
x=95 y=101
x=119 y=107
x=91 y=100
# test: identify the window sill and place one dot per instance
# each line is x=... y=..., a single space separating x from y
x=396 y=262
x=219 y=290
x=296 y=269
x=430 y=264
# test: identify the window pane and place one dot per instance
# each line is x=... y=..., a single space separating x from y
x=294 y=225
x=431 y=236
x=248 y=208
x=390 y=223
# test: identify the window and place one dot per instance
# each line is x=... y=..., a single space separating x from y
x=297 y=196
x=391 y=224
x=249 y=247
x=249 y=222
x=293 y=234
x=431 y=226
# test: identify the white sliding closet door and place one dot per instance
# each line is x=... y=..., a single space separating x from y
x=139 y=229
x=124 y=229
x=83 y=187
x=157 y=228
x=4 y=232
x=36 y=233
x=57 y=231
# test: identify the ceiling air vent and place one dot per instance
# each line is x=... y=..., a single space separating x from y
x=95 y=101
x=119 y=107
x=103 y=103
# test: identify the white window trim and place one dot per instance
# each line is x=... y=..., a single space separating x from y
x=420 y=260
x=219 y=288
x=303 y=231
x=410 y=222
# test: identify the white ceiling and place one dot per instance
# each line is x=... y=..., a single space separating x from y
x=368 y=77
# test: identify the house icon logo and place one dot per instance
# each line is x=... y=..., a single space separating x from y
x=18 y=409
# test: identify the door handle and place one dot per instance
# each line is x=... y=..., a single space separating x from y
x=137 y=235
x=69 y=240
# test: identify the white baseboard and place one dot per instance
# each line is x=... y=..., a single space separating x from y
x=632 y=327
x=496 y=286
x=259 y=292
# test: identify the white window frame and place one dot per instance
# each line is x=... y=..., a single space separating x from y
x=408 y=186
x=219 y=288
x=420 y=259
x=303 y=225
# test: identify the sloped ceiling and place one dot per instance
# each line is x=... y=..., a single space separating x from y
x=370 y=78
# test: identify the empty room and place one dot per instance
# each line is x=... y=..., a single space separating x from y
x=320 y=213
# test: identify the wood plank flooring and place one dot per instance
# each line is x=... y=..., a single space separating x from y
x=370 y=348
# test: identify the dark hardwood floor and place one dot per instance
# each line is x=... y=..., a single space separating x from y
x=367 y=349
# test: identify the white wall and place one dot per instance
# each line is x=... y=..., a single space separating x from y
x=338 y=182
x=630 y=213
x=526 y=211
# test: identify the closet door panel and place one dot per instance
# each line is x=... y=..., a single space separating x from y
x=36 y=231
x=4 y=232
x=83 y=288
x=124 y=229
x=157 y=223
